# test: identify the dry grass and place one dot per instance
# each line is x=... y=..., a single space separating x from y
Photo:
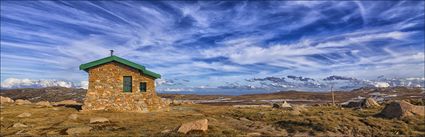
x=223 y=120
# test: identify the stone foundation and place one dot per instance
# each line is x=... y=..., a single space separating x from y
x=105 y=91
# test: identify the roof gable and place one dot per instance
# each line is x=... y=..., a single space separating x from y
x=119 y=60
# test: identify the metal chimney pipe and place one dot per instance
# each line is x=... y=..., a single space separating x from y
x=112 y=52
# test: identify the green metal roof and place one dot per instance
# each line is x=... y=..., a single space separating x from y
x=119 y=60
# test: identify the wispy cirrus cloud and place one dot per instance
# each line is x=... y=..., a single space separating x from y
x=211 y=43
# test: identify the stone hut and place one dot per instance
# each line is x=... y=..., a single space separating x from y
x=116 y=84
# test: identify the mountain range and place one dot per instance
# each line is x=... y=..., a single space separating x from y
x=254 y=85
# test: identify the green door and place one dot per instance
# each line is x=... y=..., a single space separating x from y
x=127 y=83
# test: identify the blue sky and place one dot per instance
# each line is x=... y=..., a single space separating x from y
x=213 y=44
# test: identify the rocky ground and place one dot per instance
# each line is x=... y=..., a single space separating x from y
x=24 y=118
x=55 y=111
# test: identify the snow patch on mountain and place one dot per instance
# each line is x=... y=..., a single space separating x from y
x=12 y=83
x=381 y=84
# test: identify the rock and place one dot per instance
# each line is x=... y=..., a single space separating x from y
x=165 y=131
x=4 y=100
x=369 y=103
x=253 y=134
x=364 y=103
x=98 y=120
x=78 y=130
x=276 y=105
x=285 y=105
x=177 y=102
x=54 y=132
x=198 y=125
x=22 y=102
x=353 y=104
x=44 y=104
x=25 y=114
x=66 y=102
x=281 y=105
x=187 y=102
x=244 y=119
x=166 y=101
x=19 y=125
x=1 y=118
x=73 y=117
x=398 y=109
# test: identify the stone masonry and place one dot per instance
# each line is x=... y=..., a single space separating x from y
x=105 y=91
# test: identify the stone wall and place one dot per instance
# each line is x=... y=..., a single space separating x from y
x=105 y=91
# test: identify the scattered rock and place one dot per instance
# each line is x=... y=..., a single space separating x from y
x=252 y=106
x=54 y=132
x=176 y=102
x=165 y=131
x=1 y=118
x=73 y=117
x=98 y=120
x=19 y=125
x=25 y=114
x=22 y=102
x=244 y=119
x=398 y=109
x=44 y=104
x=5 y=100
x=198 y=125
x=253 y=134
x=78 y=130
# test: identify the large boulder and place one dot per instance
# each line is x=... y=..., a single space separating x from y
x=198 y=125
x=281 y=105
x=4 y=100
x=398 y=109
x=22 y=102
x=369 y=103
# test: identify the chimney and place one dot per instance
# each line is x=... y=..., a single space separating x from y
x=112 y=52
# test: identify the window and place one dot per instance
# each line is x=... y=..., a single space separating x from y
x=142 y=86
x=127 y=83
